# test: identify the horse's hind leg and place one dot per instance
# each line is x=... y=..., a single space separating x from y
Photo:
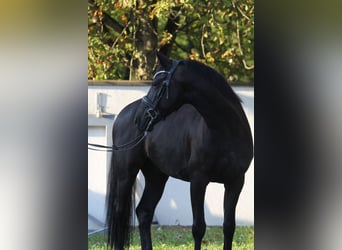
x=198 y=187
x=154 y=186
x=231 y=196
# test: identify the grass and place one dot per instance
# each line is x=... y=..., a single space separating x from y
x=180 y=238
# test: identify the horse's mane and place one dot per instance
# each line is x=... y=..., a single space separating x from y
x=215 y=78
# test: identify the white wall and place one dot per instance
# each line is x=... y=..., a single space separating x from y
x=174 y=207
x=99 y=132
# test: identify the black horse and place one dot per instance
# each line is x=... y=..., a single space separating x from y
x=190 y=126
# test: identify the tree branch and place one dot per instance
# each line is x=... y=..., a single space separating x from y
x=187 y=50
x=240 y=48
x=243 y=14
x=120 y=35
x=239 y=43
x=202 y=42
x=171 y=27
x=106 y=19
x=187 y=24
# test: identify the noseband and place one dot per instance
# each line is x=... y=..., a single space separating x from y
x=152 y=105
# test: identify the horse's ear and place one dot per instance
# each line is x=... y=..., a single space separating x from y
x=163 y=59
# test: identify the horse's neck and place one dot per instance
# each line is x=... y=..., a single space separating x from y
x=221 y=115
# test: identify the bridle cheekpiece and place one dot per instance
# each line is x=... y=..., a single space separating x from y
x=152 y=105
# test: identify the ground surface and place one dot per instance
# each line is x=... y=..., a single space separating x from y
x=180 y=238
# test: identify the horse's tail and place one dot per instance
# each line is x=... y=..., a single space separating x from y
x=119 y=206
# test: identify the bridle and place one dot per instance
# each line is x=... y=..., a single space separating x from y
x=152 y=111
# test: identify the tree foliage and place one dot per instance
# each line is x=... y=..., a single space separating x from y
x=124 y=34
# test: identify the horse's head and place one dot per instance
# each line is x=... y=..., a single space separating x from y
x=164 y=96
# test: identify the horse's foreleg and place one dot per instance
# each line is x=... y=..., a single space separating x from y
x=231 y=196
x=154 y=187
x=198 y=187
